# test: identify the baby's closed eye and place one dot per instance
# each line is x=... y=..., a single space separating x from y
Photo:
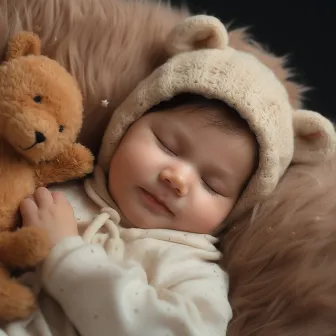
x=164 y=145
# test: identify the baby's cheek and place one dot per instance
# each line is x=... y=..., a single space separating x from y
x=211 y=213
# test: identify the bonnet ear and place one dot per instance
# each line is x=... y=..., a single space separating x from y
x=23 y=44
x=197 y=32
x=315 y=137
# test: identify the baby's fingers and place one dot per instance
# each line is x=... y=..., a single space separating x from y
x=61 y=200
x=59 y=197
x=43 y=197
x=28 y=209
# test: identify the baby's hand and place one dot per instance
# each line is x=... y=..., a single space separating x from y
x=51 y=212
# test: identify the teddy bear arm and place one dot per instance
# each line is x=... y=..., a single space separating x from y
x=16 y=301
x=51 y=172
x=74 y=162
x=23 y=248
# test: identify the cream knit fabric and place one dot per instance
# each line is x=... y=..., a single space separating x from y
x=204 y=64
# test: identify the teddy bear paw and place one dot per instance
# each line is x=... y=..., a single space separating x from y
x=83 y=160
x=16 y=301
x=32 y=247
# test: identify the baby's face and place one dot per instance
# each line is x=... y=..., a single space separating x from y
x=173 y=170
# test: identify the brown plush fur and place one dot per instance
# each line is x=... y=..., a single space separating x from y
x=36 y=95
x=282 y=259
x=110 y=45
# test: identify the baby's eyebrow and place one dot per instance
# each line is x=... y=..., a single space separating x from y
x=183 y=137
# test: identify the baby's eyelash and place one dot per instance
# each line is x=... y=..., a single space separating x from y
x=209 y=189
x=165 y=147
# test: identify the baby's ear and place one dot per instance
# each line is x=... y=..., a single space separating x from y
x=197 y=32
x=315 y=137
x=23 y=44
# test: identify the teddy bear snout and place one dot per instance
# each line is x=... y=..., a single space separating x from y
x=39 y=137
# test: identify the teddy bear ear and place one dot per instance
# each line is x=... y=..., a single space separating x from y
x=23 y=44
x=315 y=137
x=197 y=32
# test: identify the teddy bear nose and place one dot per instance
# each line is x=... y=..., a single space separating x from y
x=39 y=137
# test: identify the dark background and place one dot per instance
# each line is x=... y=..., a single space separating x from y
x=302 y=29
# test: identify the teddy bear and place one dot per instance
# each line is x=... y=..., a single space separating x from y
x=41 y=115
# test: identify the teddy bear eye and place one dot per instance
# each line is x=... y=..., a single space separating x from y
x=61 y=128
x=37 y=99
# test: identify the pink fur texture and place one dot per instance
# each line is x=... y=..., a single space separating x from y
x=282 y=259
x=110 y=45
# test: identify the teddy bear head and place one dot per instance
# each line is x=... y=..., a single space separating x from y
x=40 y=102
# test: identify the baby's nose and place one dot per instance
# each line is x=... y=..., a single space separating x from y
x=177 y=179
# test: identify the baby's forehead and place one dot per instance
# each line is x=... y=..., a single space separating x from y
x=197 y=128
x=219 y=116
